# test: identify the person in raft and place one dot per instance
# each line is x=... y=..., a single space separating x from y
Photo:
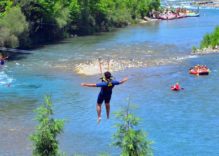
x=176 y=87
x=106 y=85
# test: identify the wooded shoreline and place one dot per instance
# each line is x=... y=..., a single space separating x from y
x=27 y=24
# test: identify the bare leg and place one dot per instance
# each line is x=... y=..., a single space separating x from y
x=107 y=109
x=98 y=113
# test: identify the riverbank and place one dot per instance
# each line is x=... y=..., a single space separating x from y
x=207 y=4
x=147 y=19
x=205 y=51
x=41 y=22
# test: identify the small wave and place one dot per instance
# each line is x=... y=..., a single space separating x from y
x=186 y=57
x=5 y=79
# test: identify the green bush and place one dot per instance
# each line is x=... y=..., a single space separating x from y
x=131 y=141
x=5 y=5
x=210 y=40
x=12 y=25
x=194 y=49
x=45 y=136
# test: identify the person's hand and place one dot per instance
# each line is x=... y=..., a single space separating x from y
x=125 y=79
x=82 y=84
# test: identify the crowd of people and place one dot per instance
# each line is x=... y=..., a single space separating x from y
x=199 y=70
x=173 y=13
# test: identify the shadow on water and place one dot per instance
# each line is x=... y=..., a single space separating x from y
x=17 y=108
x=14 y=56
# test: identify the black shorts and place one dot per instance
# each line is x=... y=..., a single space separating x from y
x=104 y=98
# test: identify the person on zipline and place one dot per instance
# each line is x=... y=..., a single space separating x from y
x=106 y=85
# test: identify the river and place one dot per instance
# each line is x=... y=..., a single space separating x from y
x=154 y=56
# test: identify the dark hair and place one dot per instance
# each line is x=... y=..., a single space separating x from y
x=107 y=75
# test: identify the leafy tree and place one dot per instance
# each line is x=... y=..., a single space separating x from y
x=86 y=22
x=102 y=12
x=154 y=4
x=51 y=20
x=57 y=9
x=206 y=41
x=75 y=10
x=12 y=27
x=133 y=6
x=47 y=19
x=5 y=5
x=45 y=137
x=121 y=15
x=215 y=38
x=133 y=142
x=211 y=40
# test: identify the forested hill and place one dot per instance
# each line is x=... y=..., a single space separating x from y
x=28 y=23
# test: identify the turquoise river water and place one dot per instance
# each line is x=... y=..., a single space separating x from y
x=153 y=56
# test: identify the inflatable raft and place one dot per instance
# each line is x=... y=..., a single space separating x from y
x=199 y=71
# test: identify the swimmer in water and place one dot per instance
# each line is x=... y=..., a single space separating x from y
x=2 y=59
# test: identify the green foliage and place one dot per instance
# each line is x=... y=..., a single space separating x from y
x=215 y=37
x=51 y=20
x=47 y=20
x=194 y=49
x=121 y=15
x=154 y=4
x=61 y=14
x=103 y=154
x=5 y=5
x=75 y=10
x=45 y=137
x=131 y=141
x=100 y=15
x=57 y=9
x=147 y=5
x=210 y=40
x=206 y=41
x=12 y=25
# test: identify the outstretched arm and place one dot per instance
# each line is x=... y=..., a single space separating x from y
x=123 y=80
x=88 y=84
x=4 y=58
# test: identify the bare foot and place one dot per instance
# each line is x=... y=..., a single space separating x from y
x=98 y=120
